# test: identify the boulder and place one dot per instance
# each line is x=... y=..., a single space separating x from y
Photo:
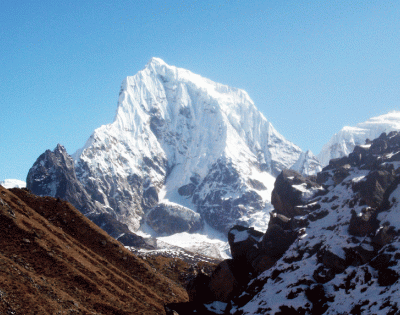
x=171 y=218
x=384 y=236
x=244 y=242
x=291 y=189
x=333 y=261
x=279 y=219
x=198 y=290
x=363 y=224
x=341 y=173
x=223 y=283
x=373 y=188
x=379 y=145
x=276 y=241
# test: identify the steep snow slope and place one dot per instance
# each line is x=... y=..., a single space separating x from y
x=343 y=142
x=180 y=138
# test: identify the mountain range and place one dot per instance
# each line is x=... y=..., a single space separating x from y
x=190 y=166
x=183 y=155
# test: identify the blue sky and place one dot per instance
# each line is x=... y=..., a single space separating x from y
x=311 y=67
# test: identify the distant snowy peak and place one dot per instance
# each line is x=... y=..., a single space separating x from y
x=12 y=183
x=343 y=142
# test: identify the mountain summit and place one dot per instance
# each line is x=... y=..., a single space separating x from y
x=184 y=150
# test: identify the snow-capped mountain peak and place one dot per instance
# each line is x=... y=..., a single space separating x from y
x=173 y=129
x=185 y=151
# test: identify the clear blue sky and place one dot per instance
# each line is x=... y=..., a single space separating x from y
x=311 y=67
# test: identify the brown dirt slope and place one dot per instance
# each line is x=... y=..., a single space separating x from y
x=53 y=260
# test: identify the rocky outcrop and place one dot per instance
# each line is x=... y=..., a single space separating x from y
x=291 y=191
x=244 y=243
x=364 y=223
x=53 y=174
x=373 y=187
x=252 y=253
x=351 y=231
x=223 y=283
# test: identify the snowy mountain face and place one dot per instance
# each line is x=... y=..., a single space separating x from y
x=332 y=246
x=12 y=183
x=343 y=143
x=184 y=141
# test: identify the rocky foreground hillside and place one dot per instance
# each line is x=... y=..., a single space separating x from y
x=332 y=245
x=53 y=260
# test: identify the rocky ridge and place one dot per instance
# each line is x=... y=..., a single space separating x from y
x=53 y=174
x=332 y=245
